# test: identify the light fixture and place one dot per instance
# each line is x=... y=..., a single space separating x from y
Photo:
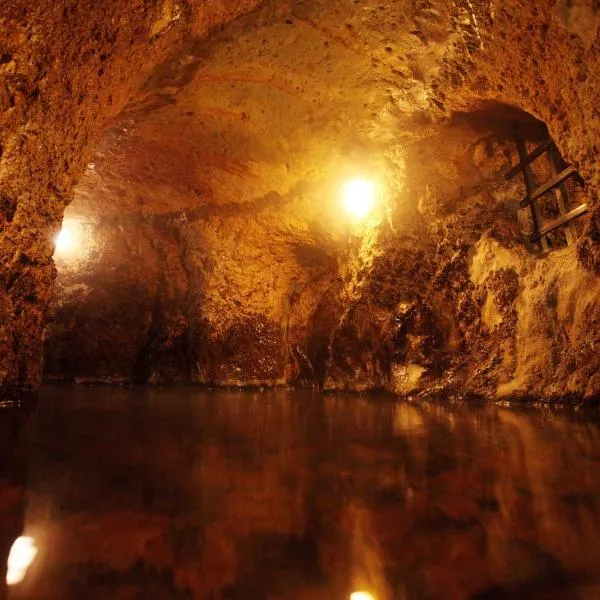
x=22 y=554
x=64 y=240
x=358 y=198
x=67 y=239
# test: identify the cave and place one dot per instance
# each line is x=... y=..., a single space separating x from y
x=299 y=299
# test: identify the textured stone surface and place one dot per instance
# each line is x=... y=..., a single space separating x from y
x=66 y=71
x=222 y=255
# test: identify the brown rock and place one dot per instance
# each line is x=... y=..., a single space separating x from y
x=206 y=172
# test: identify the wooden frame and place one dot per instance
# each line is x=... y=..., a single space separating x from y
x=556 y=185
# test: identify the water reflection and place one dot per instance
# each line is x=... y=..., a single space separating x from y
x=361 y=596
x=13 y=477
x=21 y=556
x=191 y=494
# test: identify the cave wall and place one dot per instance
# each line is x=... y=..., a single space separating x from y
x=417 y=321
x=66 y=71
x=456 y=299
x=240 y=137
x=250 y=270
x=220 y=297
x=442 y=293
x=118 y=312
x=210 y=293
x=542 y=57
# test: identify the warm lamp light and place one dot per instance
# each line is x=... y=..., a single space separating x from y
x=64 y=240
x=67 y=239
x=361 y=596
x=358 y=198
x=22 y=554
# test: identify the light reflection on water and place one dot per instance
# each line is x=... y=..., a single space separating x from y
x=184 y=493
x=21 y=556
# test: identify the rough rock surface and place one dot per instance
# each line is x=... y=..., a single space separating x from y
x=66 y=71
x=215 y=249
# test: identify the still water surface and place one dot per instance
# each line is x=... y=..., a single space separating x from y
x=187 y=493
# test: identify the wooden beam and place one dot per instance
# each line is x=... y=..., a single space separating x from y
x=550 y=185
x=561 y=193
x=529 y=159
x=570 y=216
x=530 y=186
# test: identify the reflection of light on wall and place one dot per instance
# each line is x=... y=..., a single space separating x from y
x=361 y=596
x=358 y=198
x=67 y=241
x=22 y=554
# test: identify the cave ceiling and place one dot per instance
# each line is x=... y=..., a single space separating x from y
x=287 y=99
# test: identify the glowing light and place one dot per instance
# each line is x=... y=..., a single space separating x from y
x=358 y=198
x=361 y=596
x=67 y=241
x=22 y=554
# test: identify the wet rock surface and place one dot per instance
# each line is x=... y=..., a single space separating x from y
x=207 y=174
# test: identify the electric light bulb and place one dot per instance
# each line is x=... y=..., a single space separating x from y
x=68 y=239
x=22 y=554
x=358 y=198
x=64 y=240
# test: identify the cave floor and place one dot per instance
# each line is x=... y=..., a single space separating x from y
x=190 y=493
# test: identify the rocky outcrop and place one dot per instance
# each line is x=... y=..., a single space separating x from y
x=66 y=71
x=217 y=249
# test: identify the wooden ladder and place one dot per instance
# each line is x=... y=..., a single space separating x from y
x=556 y=185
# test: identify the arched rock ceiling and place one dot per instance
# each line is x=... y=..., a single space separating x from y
x=294 y=94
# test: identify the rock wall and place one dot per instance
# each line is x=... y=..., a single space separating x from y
x=66 y=71
x=456 y=301
x=440 y=293
x=224 y=256
x=119 y=308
